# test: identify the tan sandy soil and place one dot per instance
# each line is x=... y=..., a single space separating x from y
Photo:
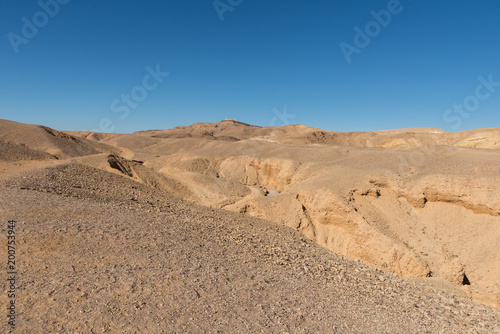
x=44 y=139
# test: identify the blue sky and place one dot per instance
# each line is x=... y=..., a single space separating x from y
x=87 y=65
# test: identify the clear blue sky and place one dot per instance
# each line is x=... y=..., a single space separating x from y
x=86 y=57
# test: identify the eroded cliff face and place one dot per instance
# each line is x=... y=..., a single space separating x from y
x=335 y=222
x=414 y=225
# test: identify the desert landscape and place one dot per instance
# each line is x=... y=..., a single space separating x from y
x=231 y=227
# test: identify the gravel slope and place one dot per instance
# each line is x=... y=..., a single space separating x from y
x=12 y=152
x=98 y=252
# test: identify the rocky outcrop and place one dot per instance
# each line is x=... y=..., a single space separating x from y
x=267 y=172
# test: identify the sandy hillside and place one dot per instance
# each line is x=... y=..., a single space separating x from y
x=47 y=140
x=115 y=240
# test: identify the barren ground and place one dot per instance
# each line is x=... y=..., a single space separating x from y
x=128 y=233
